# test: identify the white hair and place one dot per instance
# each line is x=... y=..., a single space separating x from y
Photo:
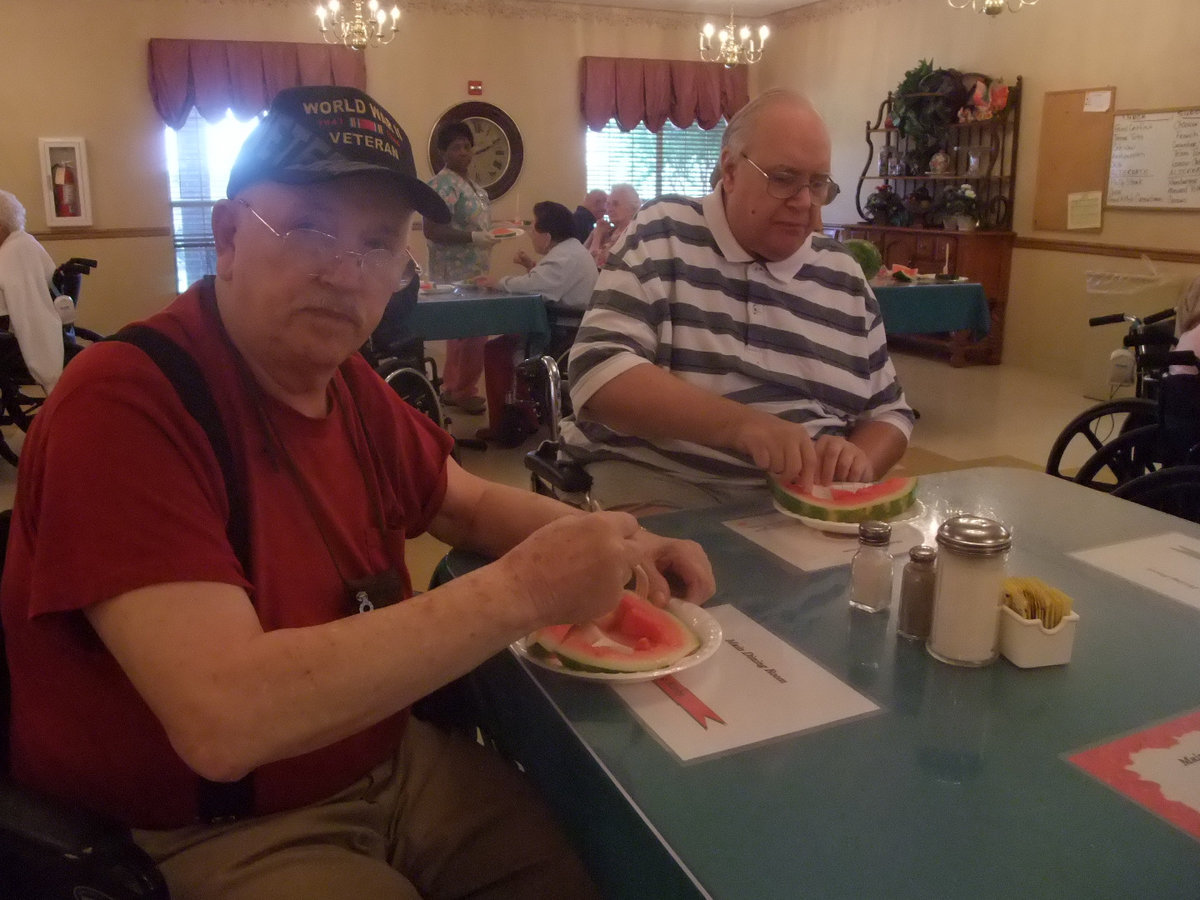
x=626 y=192
x=12 y=213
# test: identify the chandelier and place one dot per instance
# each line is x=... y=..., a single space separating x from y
x=354 y=29
x=737 y=45
x=991 y=7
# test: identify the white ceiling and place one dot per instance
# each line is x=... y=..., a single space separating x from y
x=717 y=10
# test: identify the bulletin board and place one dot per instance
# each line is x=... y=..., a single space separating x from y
x=1155 y=159
x=1073 y=154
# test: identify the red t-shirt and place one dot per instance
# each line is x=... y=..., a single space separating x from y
x=118 y=489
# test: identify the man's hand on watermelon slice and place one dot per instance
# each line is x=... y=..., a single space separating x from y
x=785 y=451
x=575 y=568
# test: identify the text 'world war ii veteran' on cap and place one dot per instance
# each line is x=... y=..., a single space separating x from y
x=318 y=133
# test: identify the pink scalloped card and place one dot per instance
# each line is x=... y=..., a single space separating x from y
x=1158 y=768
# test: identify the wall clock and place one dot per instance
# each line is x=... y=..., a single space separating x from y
x=499 y=151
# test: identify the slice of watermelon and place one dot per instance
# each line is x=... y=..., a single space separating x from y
x=848 y=502
x=636 y=637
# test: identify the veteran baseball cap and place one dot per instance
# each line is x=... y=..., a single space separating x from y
x=318 y=133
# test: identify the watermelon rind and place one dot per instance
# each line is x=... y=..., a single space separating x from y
x=674 y=640
x=883 y=500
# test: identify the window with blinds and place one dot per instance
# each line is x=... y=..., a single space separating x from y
x=673 y=161
x=199 y=157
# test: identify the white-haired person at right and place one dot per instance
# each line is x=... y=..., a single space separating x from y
x=25 y=298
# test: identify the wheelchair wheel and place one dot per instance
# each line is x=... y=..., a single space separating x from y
x=415 y=389
x=1126 y=457
x=1088 y=433
x=1175 y=490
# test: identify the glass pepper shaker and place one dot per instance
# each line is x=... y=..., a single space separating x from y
x=871 y=568
x=917 y=584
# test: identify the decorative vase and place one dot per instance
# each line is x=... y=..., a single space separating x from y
x=965 y=223
x=950 y=223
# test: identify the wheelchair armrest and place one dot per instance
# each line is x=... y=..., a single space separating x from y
x=51 y=848
x=568 y=477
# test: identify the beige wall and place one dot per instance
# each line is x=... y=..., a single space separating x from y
x=848 y=53
x=845 y=53
x=527 y=55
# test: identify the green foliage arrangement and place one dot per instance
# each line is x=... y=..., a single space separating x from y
x=926 y=103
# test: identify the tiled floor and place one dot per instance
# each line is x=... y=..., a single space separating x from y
x=997 y=415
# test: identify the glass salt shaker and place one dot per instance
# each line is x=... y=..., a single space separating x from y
x=917 y=583
x=971 y=566
x=871 y=568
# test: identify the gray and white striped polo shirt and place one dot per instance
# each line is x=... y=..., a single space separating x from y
x=801 y=338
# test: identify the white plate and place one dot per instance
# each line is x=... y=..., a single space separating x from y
x=695 y=617
x=915 y=511
x=504 y=232
x=437 y=289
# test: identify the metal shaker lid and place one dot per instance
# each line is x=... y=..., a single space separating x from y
x=872 y=532
x=974 y=534
x=922 y=553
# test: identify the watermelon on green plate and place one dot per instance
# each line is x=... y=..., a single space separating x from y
x=637 y=636
x=882 y=500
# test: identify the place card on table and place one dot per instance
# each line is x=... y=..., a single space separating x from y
x=1167 y=564
x=810 y=549
x=754 y=688
x=1158 y=768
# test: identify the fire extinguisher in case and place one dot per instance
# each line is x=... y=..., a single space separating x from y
x=66 y=194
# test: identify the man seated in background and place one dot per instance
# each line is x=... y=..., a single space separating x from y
x=623 y=204
x=35 y=327
x=232 y=636
x=728 y=339
x=588 y=214
x=564 y=276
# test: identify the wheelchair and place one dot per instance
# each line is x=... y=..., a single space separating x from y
x=1175 y=490
x=50 y=850
x=1171 y=439
x=20 y=395
x=1088 y=434
x=548 y=475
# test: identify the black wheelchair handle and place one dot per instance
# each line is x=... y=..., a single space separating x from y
x=1110 y=319
x=1158 y=316
x=1182 y=358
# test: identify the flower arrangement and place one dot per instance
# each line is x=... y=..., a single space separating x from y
x=959 y=201
x=884 y=206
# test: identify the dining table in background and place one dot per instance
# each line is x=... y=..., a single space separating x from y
x=476 y=312
x=959 y=308
x=960 y=785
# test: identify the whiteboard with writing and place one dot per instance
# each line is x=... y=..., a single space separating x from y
x=1156 y=160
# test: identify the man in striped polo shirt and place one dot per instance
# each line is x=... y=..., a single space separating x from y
x=728 y=338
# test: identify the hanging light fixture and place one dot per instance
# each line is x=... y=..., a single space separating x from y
x=736 y=45
x=991 y=7
x=354 y=29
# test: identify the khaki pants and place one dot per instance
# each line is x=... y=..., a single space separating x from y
x=445 y=818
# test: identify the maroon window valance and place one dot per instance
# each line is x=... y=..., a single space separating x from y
x=243 y=76
x=654 y=90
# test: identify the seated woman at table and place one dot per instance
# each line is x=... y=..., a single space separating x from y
x=623 y=204
x=564 y=276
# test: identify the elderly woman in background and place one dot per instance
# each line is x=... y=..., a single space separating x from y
x=458 y=251
x=25 y=272
x=623 y=204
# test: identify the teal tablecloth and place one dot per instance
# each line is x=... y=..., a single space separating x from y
x=476 y=313
x=933 y=308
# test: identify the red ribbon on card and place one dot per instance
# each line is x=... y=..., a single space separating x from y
x=691 y=704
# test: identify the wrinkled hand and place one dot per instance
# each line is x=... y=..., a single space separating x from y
x=482 y=239
x=486 y=281
x=524 y=259
x=575 y=568
x=676 y=569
